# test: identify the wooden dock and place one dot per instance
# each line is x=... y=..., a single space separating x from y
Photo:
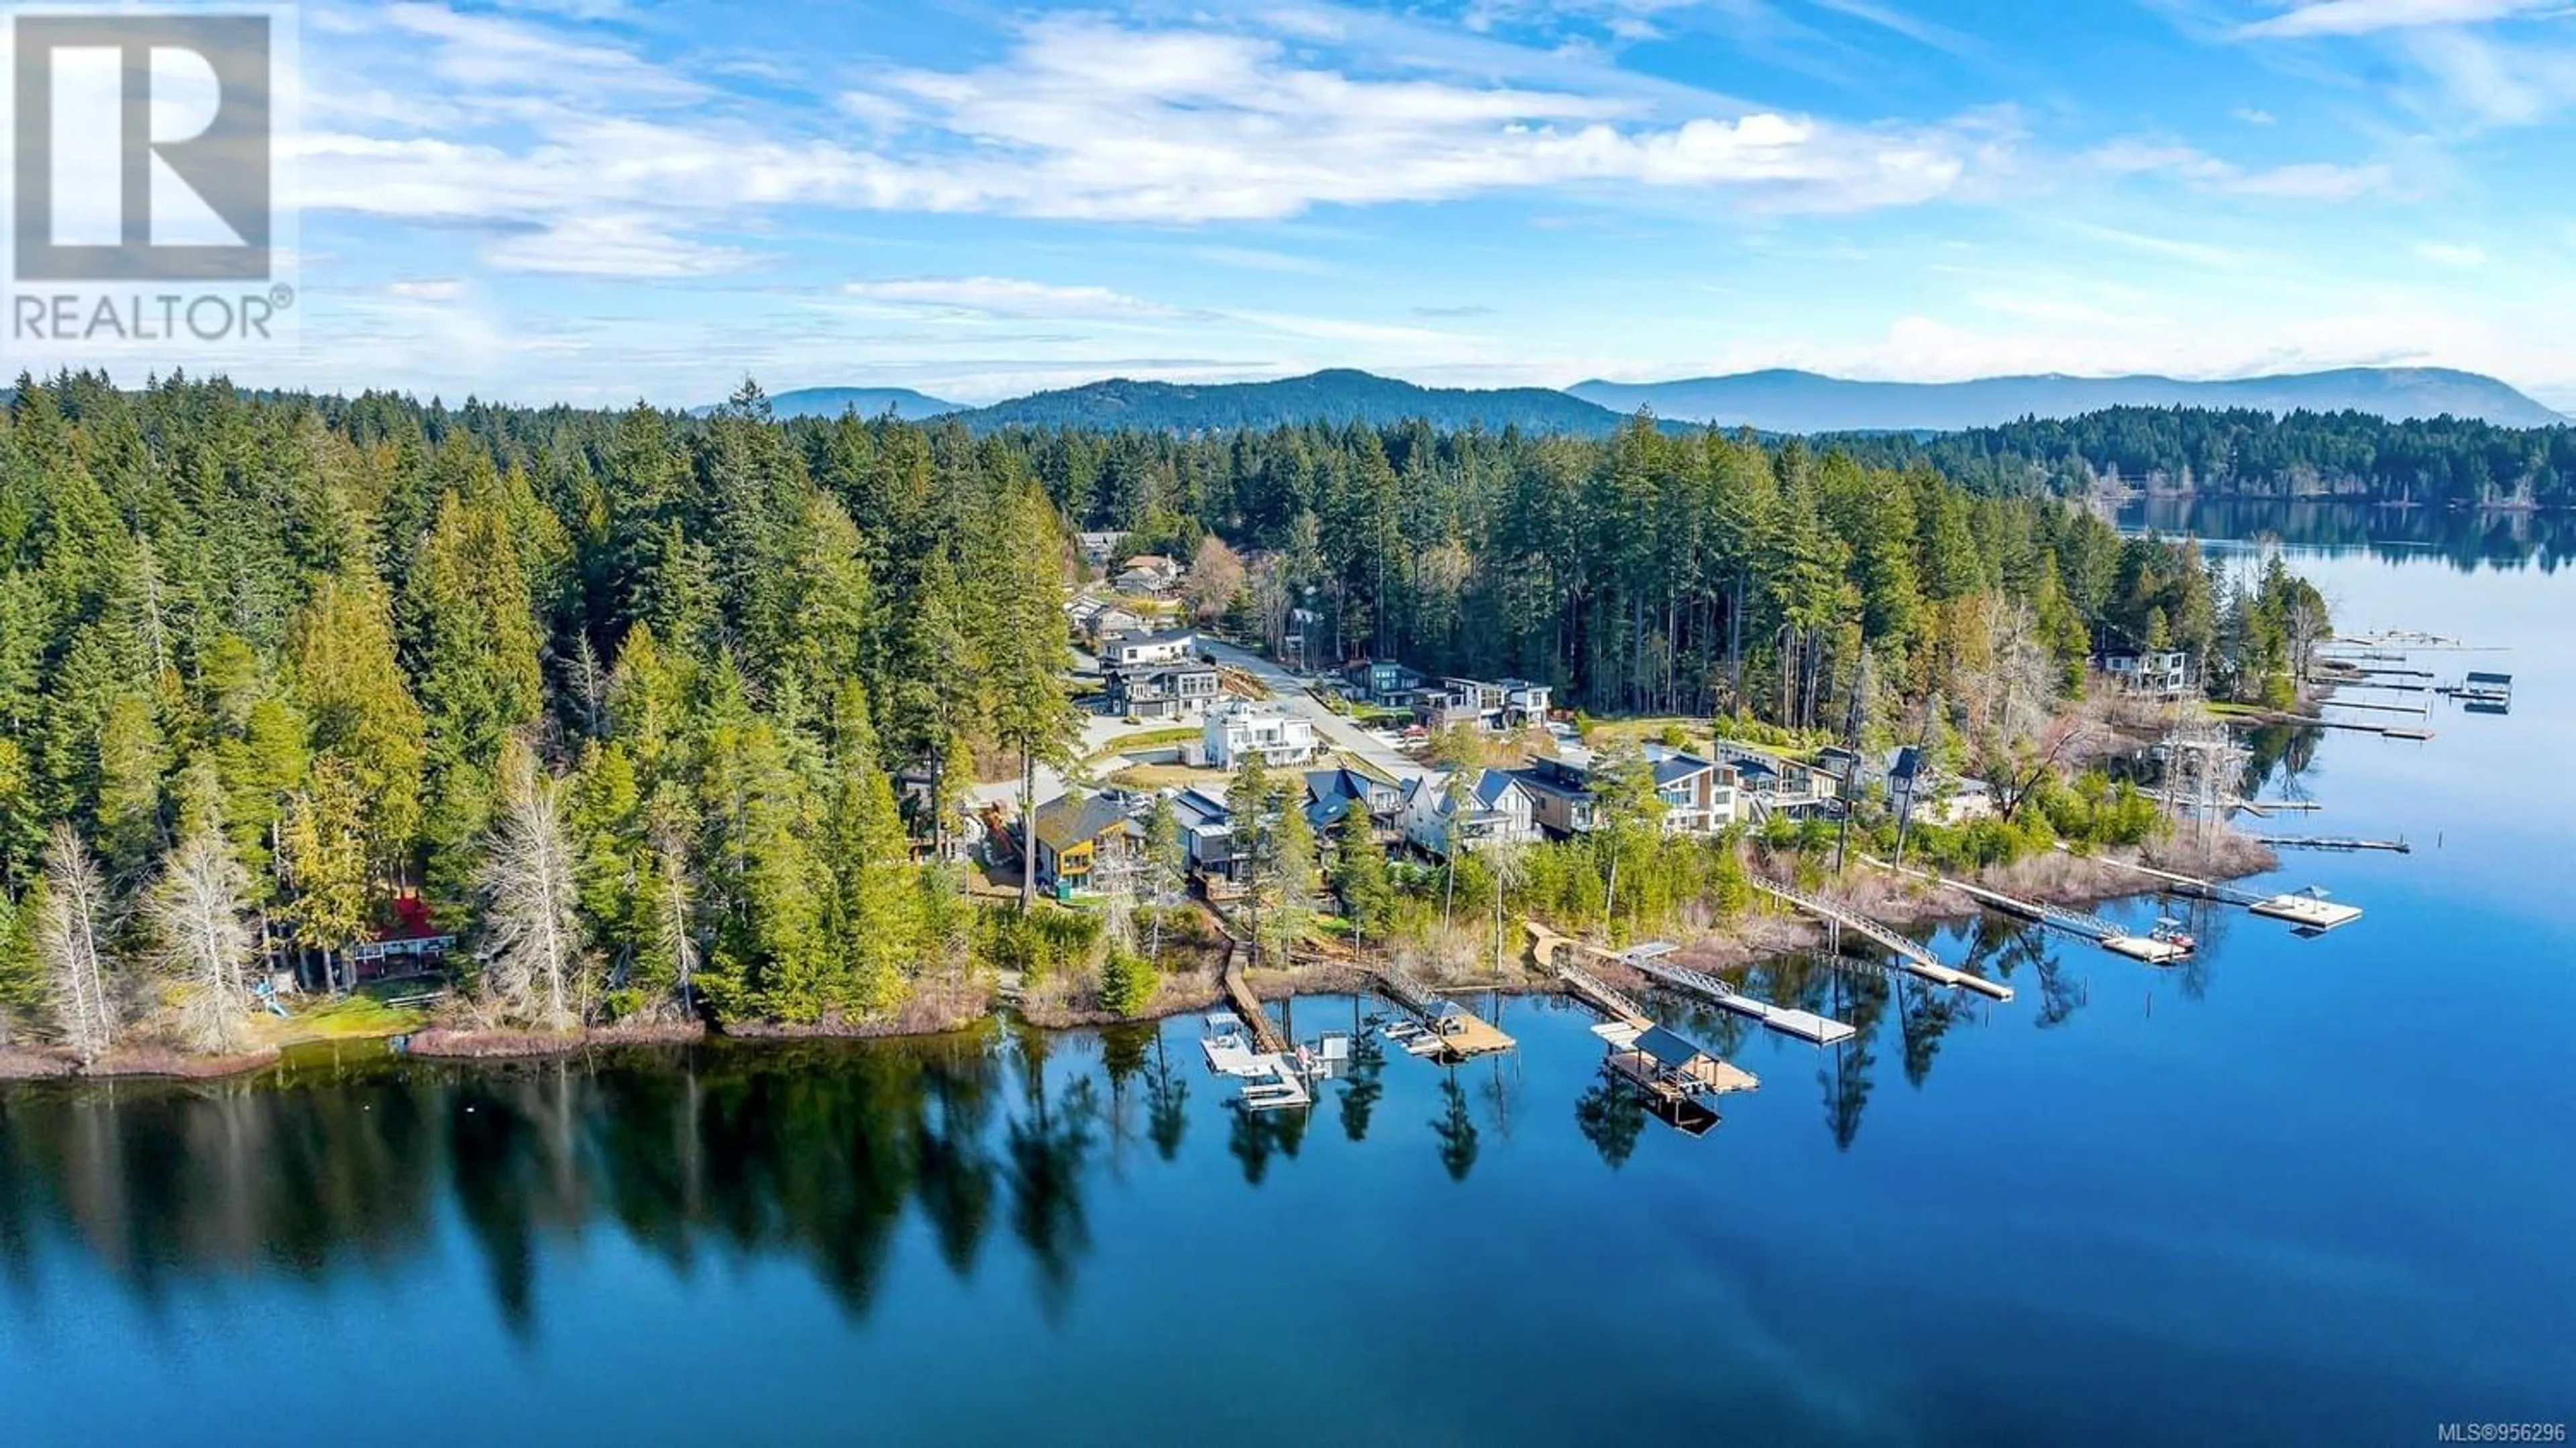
x=1910 y=955
x=1463 y=1035
x=1238 y=993
x=1670 y=1066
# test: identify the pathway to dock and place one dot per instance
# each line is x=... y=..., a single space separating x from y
x=1911 y=957
x=2105 y=933
x=1238 y=992
x=1552 y=951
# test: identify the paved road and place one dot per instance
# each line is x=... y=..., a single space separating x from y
x=1290 y=693
x=1099 y=731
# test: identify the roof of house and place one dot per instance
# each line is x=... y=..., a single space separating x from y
x=1672 y=769
x=1197 y=810
x=1155 y=562
x=1492 y=785
x=1562 y=783
x=1071 y=819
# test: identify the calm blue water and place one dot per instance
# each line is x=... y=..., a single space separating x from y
x=2310 y=1191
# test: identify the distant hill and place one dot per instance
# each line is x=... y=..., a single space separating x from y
x=907 y=404
x=1804 y=402
x=1339 y=396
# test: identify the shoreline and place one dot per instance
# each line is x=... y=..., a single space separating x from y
x=1759 y=935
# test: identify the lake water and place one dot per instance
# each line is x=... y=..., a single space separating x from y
x=2306 y=1191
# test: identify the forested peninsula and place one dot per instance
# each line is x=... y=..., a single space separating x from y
x=671 y=720
x=2444 y=462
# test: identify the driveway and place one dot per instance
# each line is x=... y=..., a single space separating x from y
x=1290 y=693
x=1099 y=731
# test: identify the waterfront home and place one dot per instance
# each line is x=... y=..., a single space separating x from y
x=1700 y=796
x=2150 y=673
x=1769 y=784
x=1561 y=800
x=1933 y=796
x=1139 y=650
x=1174 y=691
x=1493 y=809
x=1334 y=793
x=1078 y=835
x=1207 y=836
x=1097 y=548
x=1238 y=727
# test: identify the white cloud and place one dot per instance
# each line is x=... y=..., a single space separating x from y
x=611 y=245
x=1091 y=120
x=1083 y=119
x=2310 y=181
x=2361 y=17
x=430 y=289
x=1006 y=297
x=2508 y=85
x=2253 y=115
x=2452 y=254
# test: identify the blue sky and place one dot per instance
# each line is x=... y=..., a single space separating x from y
x=599 y=200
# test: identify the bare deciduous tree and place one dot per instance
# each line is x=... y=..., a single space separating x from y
x=532 y=947
x=71 y=928
x=671 y=915
x=1216 y=575
x=199 y=911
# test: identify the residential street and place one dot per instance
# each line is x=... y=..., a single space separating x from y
x=1336 y=731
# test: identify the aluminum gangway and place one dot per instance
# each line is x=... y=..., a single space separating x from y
x=1910 y=955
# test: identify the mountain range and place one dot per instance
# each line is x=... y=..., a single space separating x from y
x=1776 y=401
x=903 y=402
x=1804 y=402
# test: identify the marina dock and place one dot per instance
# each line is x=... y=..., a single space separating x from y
x=2101 y=932
x=1911 y=957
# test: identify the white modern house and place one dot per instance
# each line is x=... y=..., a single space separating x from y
x=2153 y=674
x=1239 y=727
x=1148 y=650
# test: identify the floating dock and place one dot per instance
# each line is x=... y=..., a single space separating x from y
x=2101 y=932
x=2312 y=912
x=1664 y=1062
x=1457 y=1034
x=1911 y=957
x=2333 y=842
